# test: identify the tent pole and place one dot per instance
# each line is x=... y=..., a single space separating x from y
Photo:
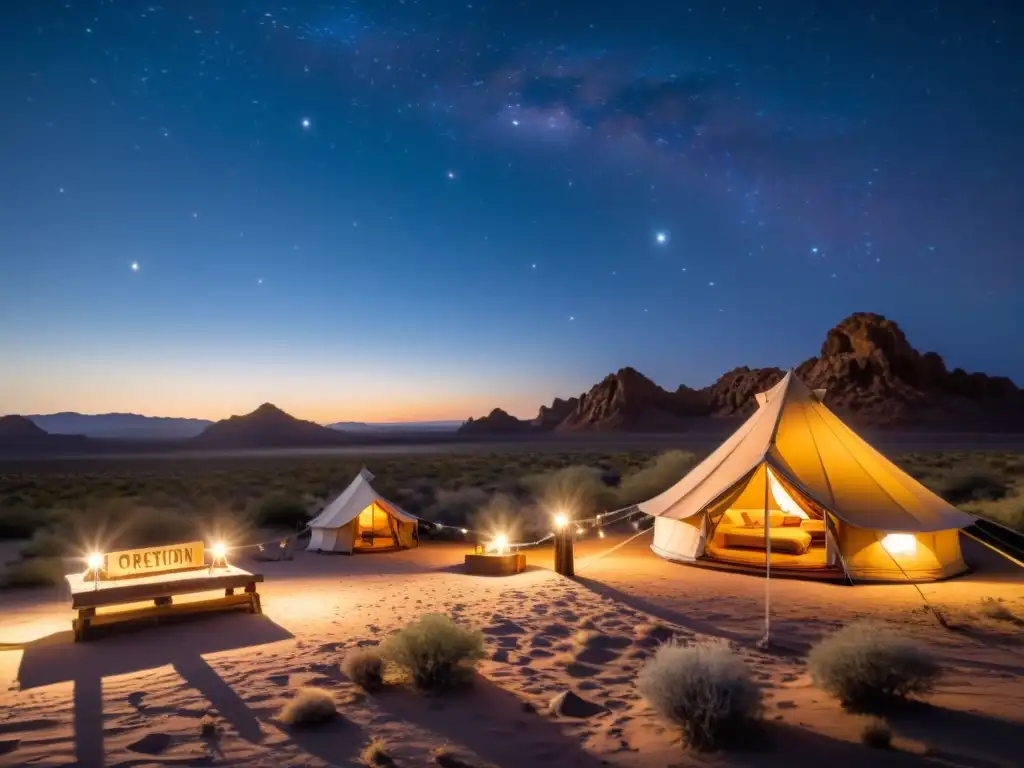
x=767 y=562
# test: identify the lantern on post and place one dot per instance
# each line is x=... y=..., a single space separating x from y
x=563 y=546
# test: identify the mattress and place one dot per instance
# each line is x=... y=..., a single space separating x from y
x=792 y=540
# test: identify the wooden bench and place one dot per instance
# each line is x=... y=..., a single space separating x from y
x=87 y=595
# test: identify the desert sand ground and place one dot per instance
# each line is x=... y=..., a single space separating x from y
x=136 y=698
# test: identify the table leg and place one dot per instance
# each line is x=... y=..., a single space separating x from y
x=229 y=592
x=162 y=601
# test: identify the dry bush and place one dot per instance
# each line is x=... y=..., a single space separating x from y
x=658 y=476
x=867 y=664
x=435 y=651
x=309 y=706
x=20 y=521
x=365 y=668
x=279 y=510
x=705 y=688
x=376 y=753
x=456 y=506
x=996 y=609
x=877 y=734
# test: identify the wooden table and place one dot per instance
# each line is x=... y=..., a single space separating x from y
x=87 y=596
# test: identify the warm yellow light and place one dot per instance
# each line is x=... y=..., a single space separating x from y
x=464 y=531
x=219 y=550
x=579 y=531
x=600 y=534
x=561 y=520
x=95 y=561
x=500 y=544
x=900 y=543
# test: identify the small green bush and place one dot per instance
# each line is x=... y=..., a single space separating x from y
x=877 y=734
x=435 y=651
x=706 y=689
x=310 y=706
x=866 y=664
x=365 y=668
x=34 y=572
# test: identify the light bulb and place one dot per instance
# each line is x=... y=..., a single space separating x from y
x=95 y=561
x=219 y=550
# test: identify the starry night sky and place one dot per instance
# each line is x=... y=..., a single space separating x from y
x=421 y=210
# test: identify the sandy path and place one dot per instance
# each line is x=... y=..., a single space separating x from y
x=137 y=698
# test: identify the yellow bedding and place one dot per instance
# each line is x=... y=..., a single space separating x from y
x=792 y=540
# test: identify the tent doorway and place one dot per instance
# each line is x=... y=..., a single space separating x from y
x=375 y=529
x=797 y=534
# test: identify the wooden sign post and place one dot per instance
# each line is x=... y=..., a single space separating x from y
x=158 y=574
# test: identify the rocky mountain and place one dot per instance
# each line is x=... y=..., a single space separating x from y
x=267 y=427
x=497 y=422
x=126 y=426
x=627 y=400
x=19 y=434
x=396 y=426
x=871 y=373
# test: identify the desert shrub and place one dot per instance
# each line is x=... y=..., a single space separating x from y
x=34 y=572
x=455 y=507
x=279 y=510
x=146 y=527
x=705 y=688
x=376 y=753
x=999 y=611
x=20 y=521
x=876 y=734
x=309 y=706
x=364 y=667
x=579 y=490
x=972 y=483
x=1008 y=511
x=866 y=664
x=435 y=651
x=656 y=477
x=46 y=543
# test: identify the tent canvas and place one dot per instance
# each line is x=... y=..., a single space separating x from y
x=360 y=519
x=831 y=500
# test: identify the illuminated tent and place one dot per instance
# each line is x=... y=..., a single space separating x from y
x=360 y=520
x=829 y=499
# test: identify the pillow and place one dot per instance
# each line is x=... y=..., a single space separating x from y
x=791 y=521
x=747 y=521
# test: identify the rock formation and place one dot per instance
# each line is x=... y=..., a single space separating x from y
x=268 y=426
x=870 y=371
x=497 y=422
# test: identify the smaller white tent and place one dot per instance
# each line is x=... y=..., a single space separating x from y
x=360 y=519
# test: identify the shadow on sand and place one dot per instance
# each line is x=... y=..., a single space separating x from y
x=954 y=736
x=57 y=659
x=790 y=647
x=491 y=722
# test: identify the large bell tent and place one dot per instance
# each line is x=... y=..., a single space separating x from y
x=360 y=520
x=796 y=487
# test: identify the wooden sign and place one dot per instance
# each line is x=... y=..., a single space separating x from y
x=143 y=562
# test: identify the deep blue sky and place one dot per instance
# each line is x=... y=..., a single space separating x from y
x=401 y=209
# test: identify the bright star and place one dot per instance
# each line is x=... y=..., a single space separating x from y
x=515 y=122
x=135 y=266
x=260 y=280
x=814 y=249
x=451 y=174
x=661 y=237
x=572 y=317
x=306 y=123
x=711 y=284
x=533 y=266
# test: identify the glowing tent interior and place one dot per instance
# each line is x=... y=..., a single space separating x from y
x=360 y=520
x=832 y=502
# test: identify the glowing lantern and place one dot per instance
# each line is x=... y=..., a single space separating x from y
x=900 y=543
x=561 y=520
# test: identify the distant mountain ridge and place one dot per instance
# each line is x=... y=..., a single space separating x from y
x=267 y=427
x=133 y=426
x=869 y=370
